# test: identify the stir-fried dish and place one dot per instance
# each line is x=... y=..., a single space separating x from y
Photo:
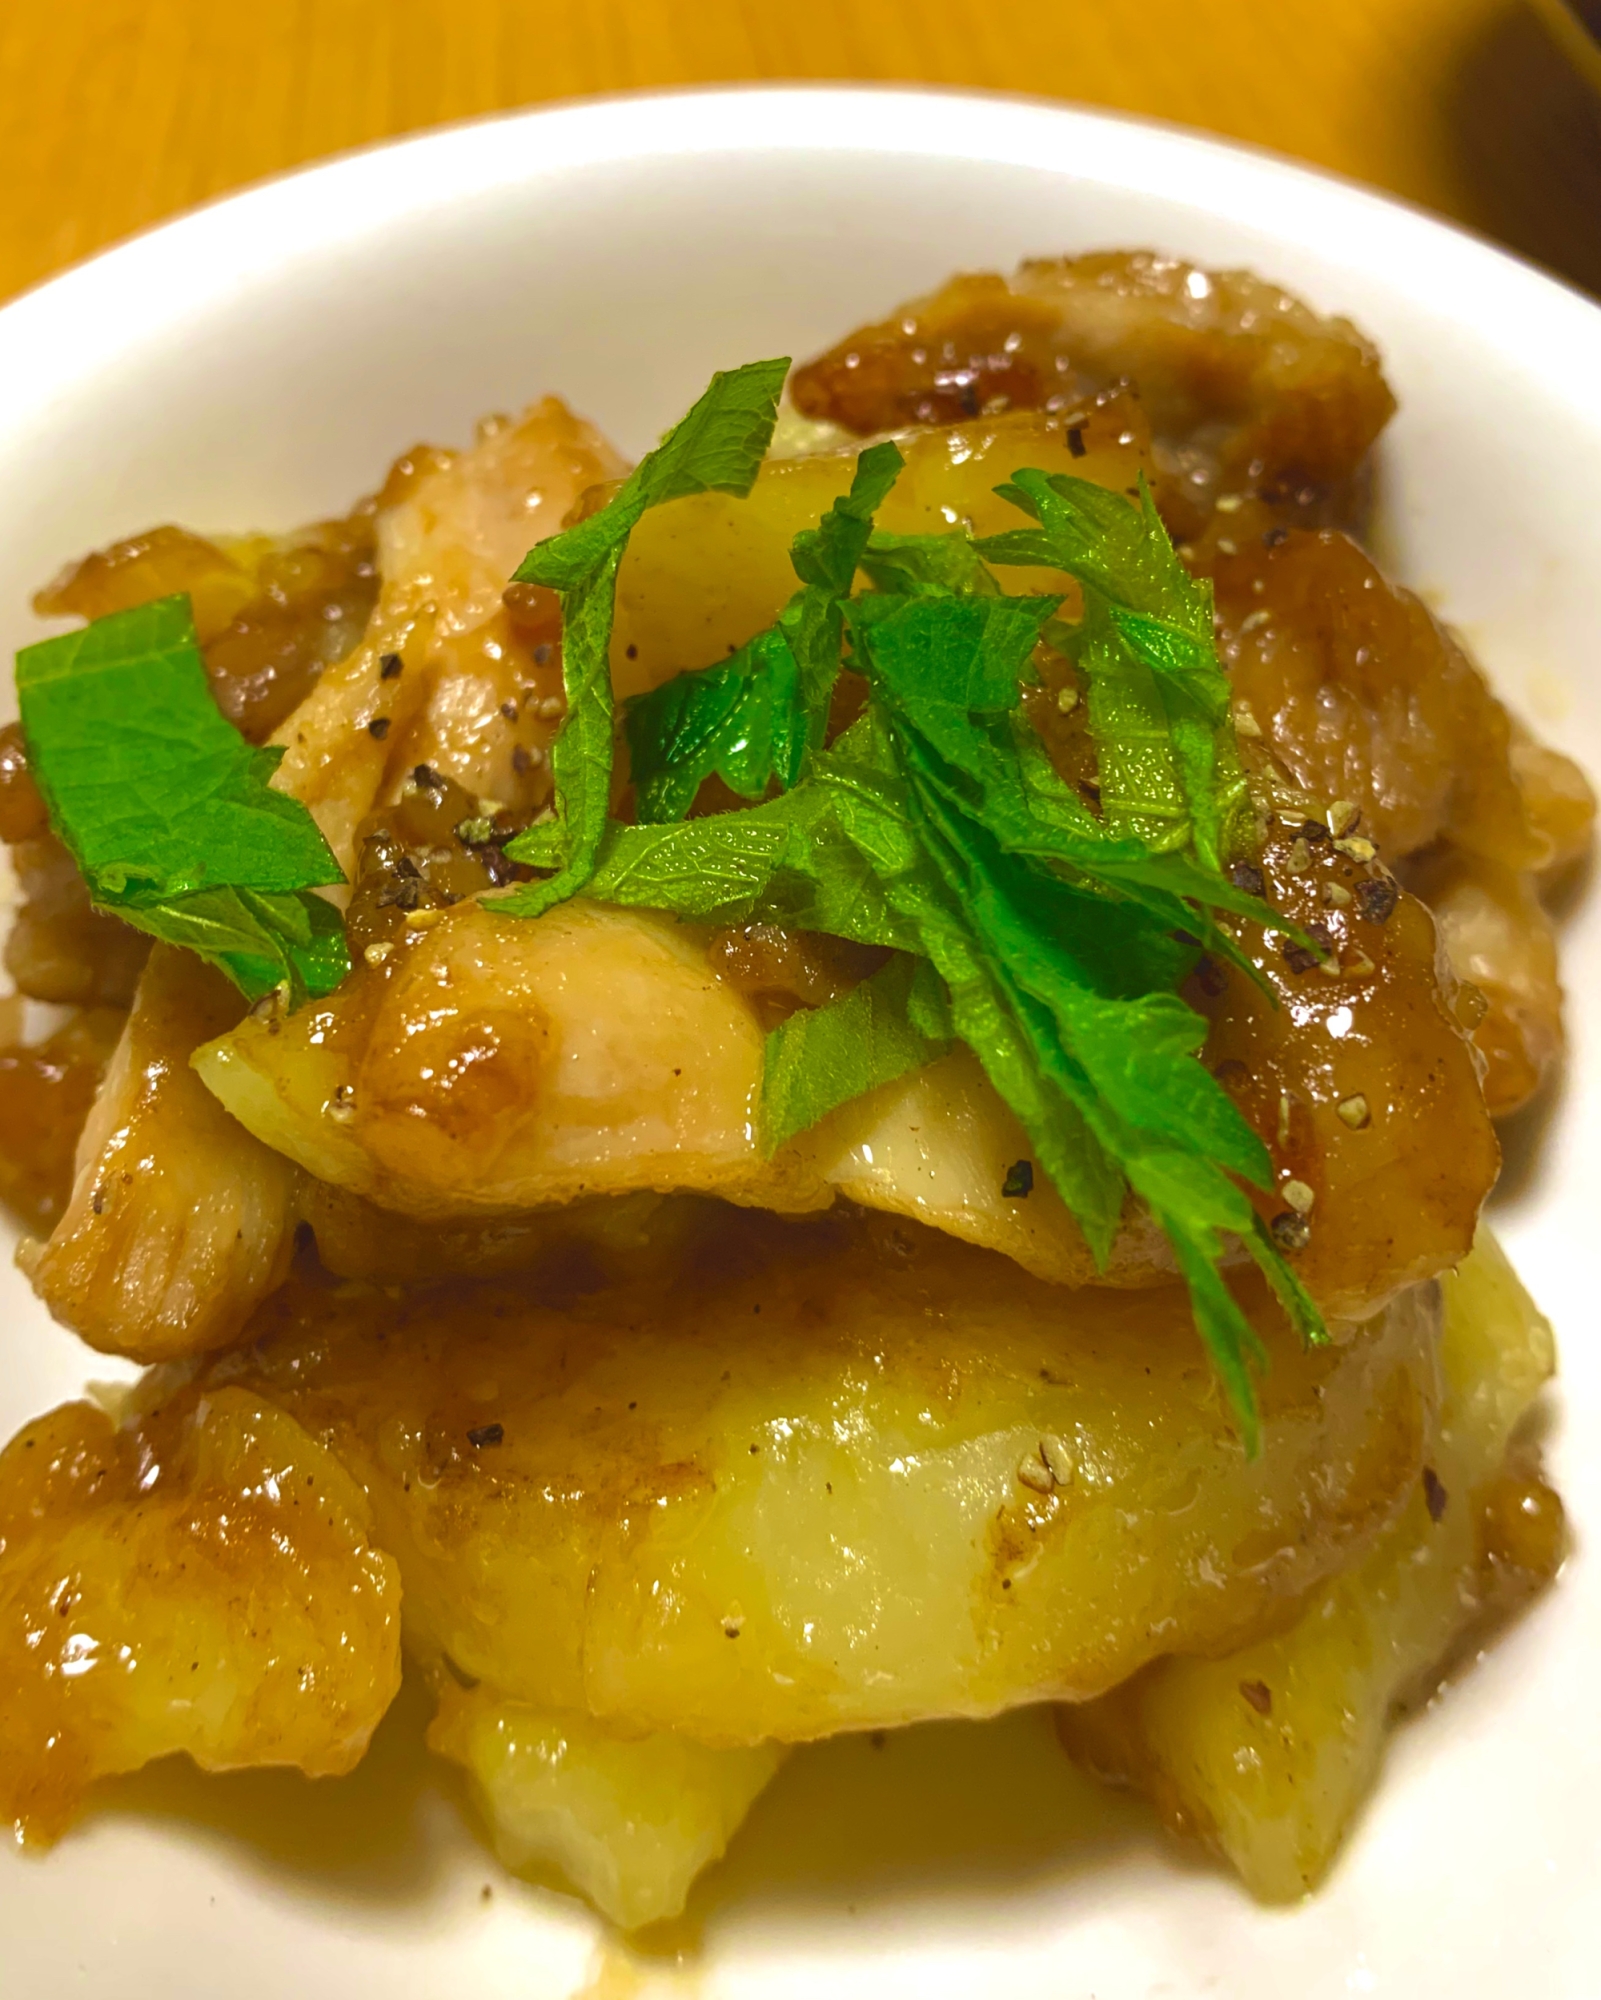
x=841 y=1078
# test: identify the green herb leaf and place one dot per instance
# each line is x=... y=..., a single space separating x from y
x=927 y=566
x=1159 y=706
x=1049 y=938
x=754 y=720
x=824 y=1057
x=719 y=446
x=168 y=810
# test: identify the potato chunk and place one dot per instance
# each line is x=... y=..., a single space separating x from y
x=737 y=1506
x=200 y=1580
x=1267 y=1753
x=630 y=1821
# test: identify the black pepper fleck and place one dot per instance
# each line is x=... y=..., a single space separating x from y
x=486 y=1434
x=378 y=728
x=427 y=777
x=1247 y=876
x=1297 y=957
x=1376 y=898
x=1210 y=977
x=1435 y=1497
x=1259 y=1695
x=520 y=760
x=390 y=666
x=1291 y=1231
x=1075 y=441
x=509 y=710
x=1275 y=538
x=1019 y=1181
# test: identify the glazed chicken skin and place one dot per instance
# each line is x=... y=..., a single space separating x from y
x=480 y=1307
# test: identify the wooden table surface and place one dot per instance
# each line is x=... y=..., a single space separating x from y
x=115 y=113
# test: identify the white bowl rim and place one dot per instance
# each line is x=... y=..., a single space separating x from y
x=161 y=275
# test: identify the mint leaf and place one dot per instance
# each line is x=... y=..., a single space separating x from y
x=927 y=566
x=719 y=447
x=168 y=810
x=822 y=1058
x=742 y=721
x=1159 y=706
x=754 y=720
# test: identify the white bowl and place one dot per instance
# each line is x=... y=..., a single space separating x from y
x=260 y=362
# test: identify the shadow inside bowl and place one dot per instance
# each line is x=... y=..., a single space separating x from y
x=1525 y=135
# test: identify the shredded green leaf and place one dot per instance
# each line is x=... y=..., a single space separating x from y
x=718 y=447
x=1159 y=705
x=168 y=810
x=756 y=719
x=1056 y=937
x=821 y=1058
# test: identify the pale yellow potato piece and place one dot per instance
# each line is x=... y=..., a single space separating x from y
x=704 y=574
x=836 y=1476
x=1267 y=1753
x=629 y=1821
x=180 y=1222
x=203 y=1580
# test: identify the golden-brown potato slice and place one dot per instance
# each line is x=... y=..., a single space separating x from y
x=1267 y=1753
x=629 y=1820
x=179 y=1220
x=202 y=1580
x=835 y=1476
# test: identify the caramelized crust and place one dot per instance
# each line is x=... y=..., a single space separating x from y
x=1365 y=698
x=179 y=1221
x=46 y=1089
x=1355 y=1072
x=204 y=1581
x=1245 y=387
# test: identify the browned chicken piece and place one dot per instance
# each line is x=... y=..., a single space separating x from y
x=1245 y=386
x=457 y=673
x=736 y=1501
x=1370 y=703
x=179 y=1221
x=1354 y=1069
x=203 y=1581
x=58 y=949
x=1365 y=698
x=484 y=1067
x=270 y=611
x=46 y=1089
x=1499 y=936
